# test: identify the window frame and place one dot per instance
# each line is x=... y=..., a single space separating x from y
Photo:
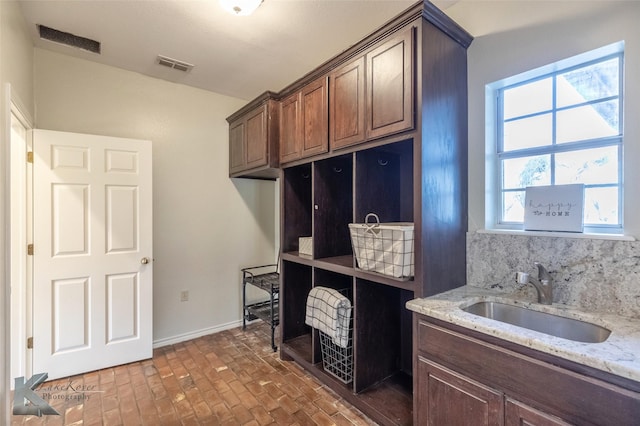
x=495 y=149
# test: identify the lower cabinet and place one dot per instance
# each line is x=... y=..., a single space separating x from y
x=466 y=378
x=517 y=413
x=448 y=398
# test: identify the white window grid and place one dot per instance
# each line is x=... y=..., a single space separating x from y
x=556 y=148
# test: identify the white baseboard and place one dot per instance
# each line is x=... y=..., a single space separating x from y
x=195 y=334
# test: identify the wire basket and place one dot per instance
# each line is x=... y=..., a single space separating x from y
x=386 y=248
x=336 y=359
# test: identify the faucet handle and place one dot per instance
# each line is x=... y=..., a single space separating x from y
x=543 y=274
x=522 y=278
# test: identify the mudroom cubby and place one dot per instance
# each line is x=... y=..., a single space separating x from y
x=296 y=282
x=333 y=207
x=344 y=284
x=417 y=174
x=384 y=182
x=297 y=190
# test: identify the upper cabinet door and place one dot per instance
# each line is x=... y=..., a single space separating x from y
x=304 y=122
x=253 y=141
x=390 y=86
x=291 y=127
x=315 y=118
x=237 y=159
x=347 y=105
x=256 y=130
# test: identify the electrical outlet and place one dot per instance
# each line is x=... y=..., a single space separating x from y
x=184 y=295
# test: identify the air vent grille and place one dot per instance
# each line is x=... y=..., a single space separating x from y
x=68 y=39
x=174 y=63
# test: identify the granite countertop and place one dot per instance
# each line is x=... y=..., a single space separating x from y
x=619 y=354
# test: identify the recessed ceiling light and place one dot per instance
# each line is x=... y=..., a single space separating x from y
x=240 y=7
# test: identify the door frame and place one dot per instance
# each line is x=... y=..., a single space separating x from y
x=11 y=103
x=20 y=273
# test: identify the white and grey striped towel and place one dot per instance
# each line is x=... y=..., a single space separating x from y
x=330 y=312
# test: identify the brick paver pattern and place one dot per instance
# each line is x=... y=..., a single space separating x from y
x=228 y=378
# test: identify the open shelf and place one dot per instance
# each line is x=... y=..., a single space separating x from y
x=391 y=399
x=333 y=206
x=298 y=348
x=384 y=182
x=295 y=286
x=388 y=401
x=297 y=207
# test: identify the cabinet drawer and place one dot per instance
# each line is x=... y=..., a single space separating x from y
x=558 y=391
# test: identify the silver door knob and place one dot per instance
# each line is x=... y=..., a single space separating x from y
x=144 y=260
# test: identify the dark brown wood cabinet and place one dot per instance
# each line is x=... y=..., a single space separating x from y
x=347 y=104
x=448 y=398
x=291 y=127
x=379 y=161
x=517 y=413
x=373 y=95
x=253 y=140
x=354 y=139
x=304 y=122
x=390 y=94
x=465 y=377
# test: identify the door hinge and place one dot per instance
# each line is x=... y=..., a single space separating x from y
x=29 y=342
x=30 y=157
x=30 y=250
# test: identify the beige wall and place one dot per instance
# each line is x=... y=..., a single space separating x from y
x=206 y=226
x=505 y=52
x=16 y=69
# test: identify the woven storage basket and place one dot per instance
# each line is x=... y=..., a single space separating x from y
x=386 y=248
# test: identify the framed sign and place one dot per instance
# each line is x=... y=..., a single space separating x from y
x=554 y=208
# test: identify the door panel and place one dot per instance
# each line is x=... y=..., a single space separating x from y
x=70 y=314
x=70 y=211
x=122 y=218
x=122 y=318
x=92 y=226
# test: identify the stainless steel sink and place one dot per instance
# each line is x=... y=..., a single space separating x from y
x=543 y=322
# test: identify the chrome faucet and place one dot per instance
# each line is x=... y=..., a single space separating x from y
x=542 y=283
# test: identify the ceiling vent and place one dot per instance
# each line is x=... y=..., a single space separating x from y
x=175 y=64
x=69 y=39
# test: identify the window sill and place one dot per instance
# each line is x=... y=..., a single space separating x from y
x=615 y=237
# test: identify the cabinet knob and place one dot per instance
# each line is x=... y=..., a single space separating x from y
x=144 y=260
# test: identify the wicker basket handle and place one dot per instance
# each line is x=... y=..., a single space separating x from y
x=371 y=226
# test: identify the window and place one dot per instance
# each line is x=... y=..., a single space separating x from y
x=560 y=127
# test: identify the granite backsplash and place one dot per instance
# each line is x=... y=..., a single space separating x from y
x=594 y=274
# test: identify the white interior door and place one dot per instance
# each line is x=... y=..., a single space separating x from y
x=92 y=279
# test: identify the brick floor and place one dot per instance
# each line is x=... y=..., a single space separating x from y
x=228 y=378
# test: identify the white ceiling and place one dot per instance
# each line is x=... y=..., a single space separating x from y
x=233 y=55
x=282 y=41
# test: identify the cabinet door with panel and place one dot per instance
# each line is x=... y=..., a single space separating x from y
x=347 y=104
x=390 y=94
x=448 y=398
x=291 y=127
x=304 y=121
x=315 y=115
x=237 y=159
x=256 y=132
x=517 y=413
x=253 y=150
